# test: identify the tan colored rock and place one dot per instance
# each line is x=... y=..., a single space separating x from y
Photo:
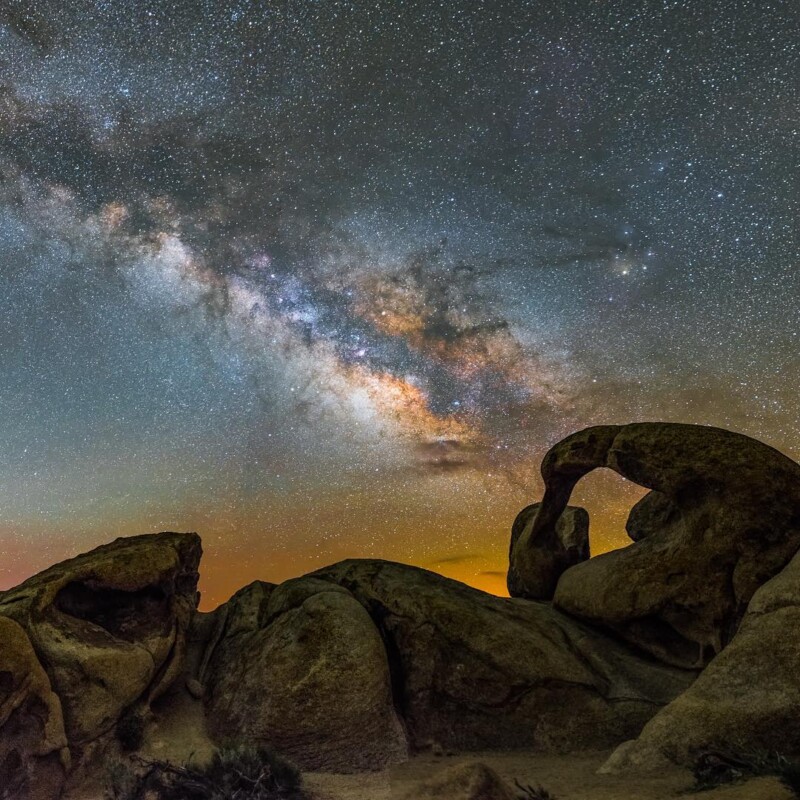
x=292 y=594
x=244 y=612
x=682 y=589
x=748 y=698
x=463 y=782
x=110 y=625
x=314 y=683
x=33 y=745
x=560 y=547
x=472 y=671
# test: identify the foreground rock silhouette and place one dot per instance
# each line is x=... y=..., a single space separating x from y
x=361 y=663
x=748 y=698
x=33 y=742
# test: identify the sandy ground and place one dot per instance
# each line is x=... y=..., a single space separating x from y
x=570 y=777
x=179 y=734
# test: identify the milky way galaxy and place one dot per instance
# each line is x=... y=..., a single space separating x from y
x=326 y=280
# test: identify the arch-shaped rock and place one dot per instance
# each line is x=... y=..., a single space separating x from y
x=723 y=519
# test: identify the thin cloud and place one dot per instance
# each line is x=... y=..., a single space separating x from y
x=462 y=558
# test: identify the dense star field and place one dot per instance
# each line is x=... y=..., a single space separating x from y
x=326 y=279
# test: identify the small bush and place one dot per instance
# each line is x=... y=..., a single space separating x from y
x=529 y=792
x=235 y=773
x=242 y=768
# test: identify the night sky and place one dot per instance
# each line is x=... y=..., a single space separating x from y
x=326 y=279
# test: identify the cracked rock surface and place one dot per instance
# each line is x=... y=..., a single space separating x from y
x=359 y=664
x=748 y=698
x=473 y=671
x=302 y=668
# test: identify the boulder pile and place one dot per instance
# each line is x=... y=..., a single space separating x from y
x=683 y=641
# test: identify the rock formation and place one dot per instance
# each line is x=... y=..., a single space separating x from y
x=473 y=671
x=725 y=519
x=550 y=554
x=653 y=513
x=308 y=676
x=34 y=757
x=105 y=636
x=351 y=666
x=746 y=701
x=360 y=663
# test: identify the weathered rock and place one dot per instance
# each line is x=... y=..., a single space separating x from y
x=681 y=590
x=558 y=548
x=33 y=745
x=313 y=683
x=654 y=513
x=748 y=698
x=244 y=612
x=473 y=671
x=294 y=593
x=463 y=782
x=109 y=625
x=195 y=688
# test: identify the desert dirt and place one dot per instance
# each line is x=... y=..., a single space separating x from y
x=180 y=735
x=569 y=777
